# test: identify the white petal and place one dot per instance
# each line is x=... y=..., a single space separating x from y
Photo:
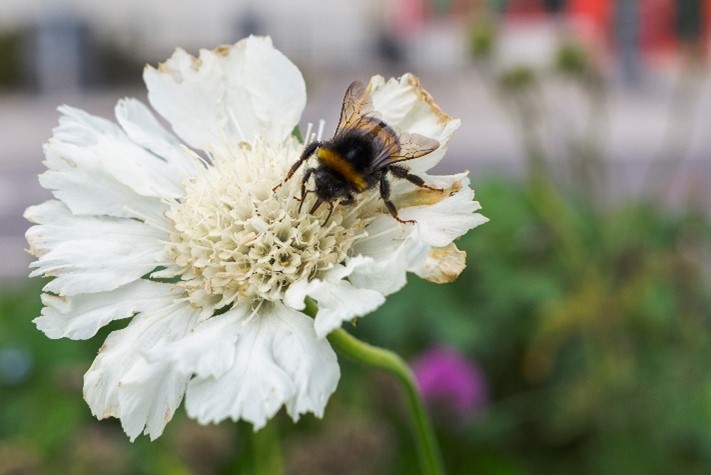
x=234 y=93
x=443 y=264
x=341 y=301
x=385 y=235
x=57 y=225
x=449 y=183
x=339 y=272
x=81 y=317
x=87 y=188
x=297 y=292
x=439 y=224
x=89 y=157
x=144 y=129
x=208 y=350
x=89 y=254
x=338 y=300
x=148 y=396
x=393 y=98
x=278 y=361
x=121 y=383
x=393 y=253
x=125 y=160
x=404 y=104
x=76 y=270
x=310 y=362
x=422 y=121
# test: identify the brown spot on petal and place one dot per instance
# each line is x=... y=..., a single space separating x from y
x=36 y=251
x=414 y=81
x=426 y=197
x=443 y=264
x=36 y=248
x=70 y=163
x=222 y=50
x=162 y=67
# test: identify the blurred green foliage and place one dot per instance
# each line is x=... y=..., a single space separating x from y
x=593 y=330
x=570 y=59
x=482 y=40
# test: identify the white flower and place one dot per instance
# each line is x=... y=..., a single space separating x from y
x=183 y=235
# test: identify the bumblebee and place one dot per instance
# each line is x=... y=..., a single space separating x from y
x=363 y=150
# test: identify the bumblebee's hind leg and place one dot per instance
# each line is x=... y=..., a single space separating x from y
x=402 y=172
x=348 y=201
x=385 y=195
x=308 y=151
x=330 y=212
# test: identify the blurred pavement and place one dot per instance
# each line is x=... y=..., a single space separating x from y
x=486 y=143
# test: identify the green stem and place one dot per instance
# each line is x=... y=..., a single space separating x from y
x=427 y=448
x=266 y=450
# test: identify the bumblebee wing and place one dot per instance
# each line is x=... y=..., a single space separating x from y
x=405 y=147
x=356 y=104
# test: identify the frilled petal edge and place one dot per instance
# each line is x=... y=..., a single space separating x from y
x=122 y=383
x=230 y=94
x=278 y=361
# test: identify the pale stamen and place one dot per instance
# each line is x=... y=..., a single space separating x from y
x=235 y=238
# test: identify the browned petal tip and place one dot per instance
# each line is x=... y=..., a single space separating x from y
x=414 y=81
x=223 y=50
x=443 y=264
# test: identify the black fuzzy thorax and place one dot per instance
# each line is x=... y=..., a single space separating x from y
x=360 y=150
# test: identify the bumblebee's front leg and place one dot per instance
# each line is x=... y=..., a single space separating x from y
x=307 y=175
x=308 y=151
x=402 y=172
x=385 y=195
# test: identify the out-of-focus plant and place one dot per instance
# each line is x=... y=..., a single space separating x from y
x=482 y=40
x=9 y=58
x=450 y=383
x=559 y=141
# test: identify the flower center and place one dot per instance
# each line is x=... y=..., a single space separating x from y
x=235 y=238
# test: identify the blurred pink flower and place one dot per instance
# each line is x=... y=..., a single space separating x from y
x=451 y=382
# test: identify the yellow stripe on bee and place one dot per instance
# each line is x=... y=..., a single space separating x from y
x=336 y=162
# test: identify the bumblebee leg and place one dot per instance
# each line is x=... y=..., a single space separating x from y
x=304 y=180
x=330 y=212
x=402 y=172
x=308 y=151
x=348 y=201
x=385 y=195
